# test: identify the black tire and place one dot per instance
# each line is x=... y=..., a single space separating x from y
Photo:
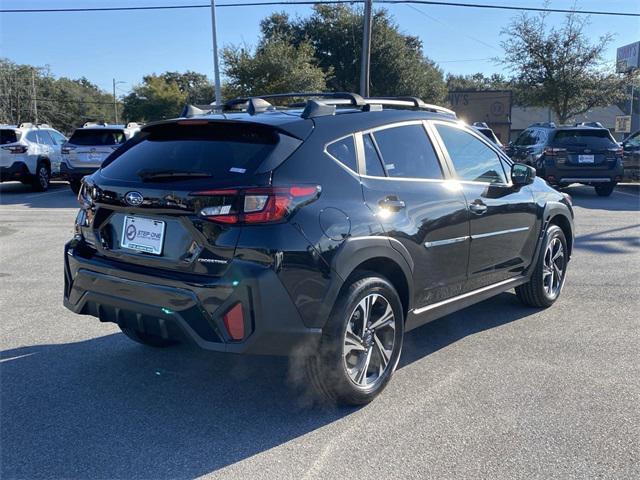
x=75 y=186
x=327 y=371
x=605 y=189
x=536 y=293
x=147 y=339
x=40 y=181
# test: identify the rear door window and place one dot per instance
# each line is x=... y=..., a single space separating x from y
x=344 y=151
x=593 y=138
x=217 y=150
x=407 y=152
x=8 y=136
x=97 y=137
x=373 y=164
x=44 y=138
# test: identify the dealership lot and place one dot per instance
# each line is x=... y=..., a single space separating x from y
x=494 y=391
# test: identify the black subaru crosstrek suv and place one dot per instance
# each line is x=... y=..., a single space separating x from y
x=324 y=230
x=583 y=153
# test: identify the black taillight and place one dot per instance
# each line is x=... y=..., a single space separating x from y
x=16 y=148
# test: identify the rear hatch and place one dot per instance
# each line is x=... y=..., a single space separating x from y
x=10 y=148
x=167 y=198
x=89 y=147
x=585 y=148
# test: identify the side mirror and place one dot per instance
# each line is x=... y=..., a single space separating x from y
x=522 y=174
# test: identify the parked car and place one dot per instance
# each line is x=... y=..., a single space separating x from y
x=631 y=152
x=484 y=129
x=30 y=154
x=325 y=232
x=89 y=146
x=583 y=153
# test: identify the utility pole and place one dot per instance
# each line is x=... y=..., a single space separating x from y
x=216 y=69
x=35 y=98
x=115 y=102
x=366 y=49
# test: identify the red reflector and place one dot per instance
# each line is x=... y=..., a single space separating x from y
x=303 y=191
x=234 y=322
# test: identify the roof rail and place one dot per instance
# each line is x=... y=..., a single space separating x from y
x=43 y=125
x=134 y=125
x=94 y=124
x=26 y=125
x=589 y=124
x=334 y=99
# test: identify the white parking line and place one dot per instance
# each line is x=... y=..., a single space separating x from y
x=627 y=194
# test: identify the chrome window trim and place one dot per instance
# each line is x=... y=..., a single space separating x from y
x=355 y=146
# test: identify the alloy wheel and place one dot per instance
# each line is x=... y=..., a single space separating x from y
x=43 y=177
x=554 y=268
x=369 y=340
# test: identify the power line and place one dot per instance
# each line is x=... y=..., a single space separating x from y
x=322 y=2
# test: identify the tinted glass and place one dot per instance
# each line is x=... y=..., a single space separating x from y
x=8 y=136
x=595 y=138
x=407 y=152
x=32 y=137
x=634 y=141
x=217 y=150
x=44 y=138
x=97 y=138
x=345 y=151
x=487 y=132
x=371 y=158
x=527 y=137
x=58 y=139
x=472 y=159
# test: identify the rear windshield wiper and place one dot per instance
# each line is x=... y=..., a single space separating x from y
x=148 y=175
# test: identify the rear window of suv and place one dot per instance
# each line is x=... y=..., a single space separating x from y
x=594 y=138
x=97 y=138
x=8 y=136
x=218 y=150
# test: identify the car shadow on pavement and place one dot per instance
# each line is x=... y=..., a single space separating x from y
x=108 y=408
x=59 y=195
x=605 y=242
x=621 y=200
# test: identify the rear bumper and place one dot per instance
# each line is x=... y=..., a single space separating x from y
x=70 y=173
x=188 y=308
x=583 y=174
x=17 y=171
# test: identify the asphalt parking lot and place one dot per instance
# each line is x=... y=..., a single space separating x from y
x=494 y=391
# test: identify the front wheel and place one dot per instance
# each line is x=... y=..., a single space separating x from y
x=547 y=280
x=361 y=343
x=605 y=189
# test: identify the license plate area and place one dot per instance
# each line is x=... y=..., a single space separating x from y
x=143 y=234
x=586 y=159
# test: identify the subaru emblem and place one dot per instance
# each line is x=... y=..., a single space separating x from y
x=134 y=198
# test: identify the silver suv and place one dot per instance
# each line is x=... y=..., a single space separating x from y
x=89 y=146
x=30 y=154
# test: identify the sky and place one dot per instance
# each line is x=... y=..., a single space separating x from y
x=127 y=45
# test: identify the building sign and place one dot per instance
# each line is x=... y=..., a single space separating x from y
x=623 y=124
x=628 y=57
x=490 y=106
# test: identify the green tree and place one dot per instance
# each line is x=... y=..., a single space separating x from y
x=559 y=67
x=155 y=99
x=276 y=66
x=477 y=82
x=195 y=85
x=398 y=63
x=63 y=103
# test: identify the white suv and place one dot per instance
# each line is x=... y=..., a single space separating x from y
x=30 y=154
x=89 y=146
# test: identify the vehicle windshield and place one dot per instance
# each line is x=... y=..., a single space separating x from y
x=181 y=151
x=9 y=135
x=97 y=138
x=594 y=138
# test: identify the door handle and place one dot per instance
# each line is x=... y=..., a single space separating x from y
x=392 y=203
x=478 y=208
